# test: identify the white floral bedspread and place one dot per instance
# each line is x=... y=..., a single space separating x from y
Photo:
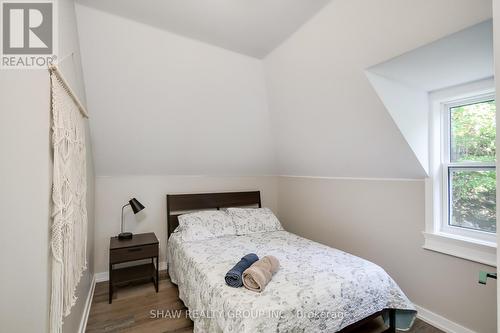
x=317 y=288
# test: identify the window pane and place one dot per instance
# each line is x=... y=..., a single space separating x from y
x=473 y=132
x=473 y=198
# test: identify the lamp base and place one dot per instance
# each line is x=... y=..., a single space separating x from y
x=125 y=235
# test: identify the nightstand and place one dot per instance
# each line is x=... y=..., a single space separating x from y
x=140 y=247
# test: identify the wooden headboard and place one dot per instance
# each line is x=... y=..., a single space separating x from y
x=179 y=203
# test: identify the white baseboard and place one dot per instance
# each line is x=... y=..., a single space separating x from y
x=104 y=276
x=88 y=304
x=441 y=322
x=101 y=277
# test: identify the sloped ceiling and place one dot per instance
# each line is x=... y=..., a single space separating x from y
x=404 y=83
x=161 y=103
x=251 y=27
x=328 y=119
x=462 y=57
x=164 y=104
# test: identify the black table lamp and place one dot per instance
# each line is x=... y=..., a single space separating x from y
x=136 y=208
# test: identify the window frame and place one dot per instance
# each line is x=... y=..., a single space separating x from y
x=447 y=165
x=436 y=239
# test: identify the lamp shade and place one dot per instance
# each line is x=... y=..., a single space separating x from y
x=136 y=205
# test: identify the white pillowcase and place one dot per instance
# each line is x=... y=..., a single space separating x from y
x=254 y=220
x=205 y=224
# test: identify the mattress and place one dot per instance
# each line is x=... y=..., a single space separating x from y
x=317 y=288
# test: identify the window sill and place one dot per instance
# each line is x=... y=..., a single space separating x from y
x=470 y=249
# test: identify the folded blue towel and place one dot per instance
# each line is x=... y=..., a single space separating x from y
x=234 y=278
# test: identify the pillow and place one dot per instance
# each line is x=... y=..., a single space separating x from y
x=254 y=220
x=205 y=224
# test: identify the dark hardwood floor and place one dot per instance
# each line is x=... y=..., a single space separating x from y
x=132 y=306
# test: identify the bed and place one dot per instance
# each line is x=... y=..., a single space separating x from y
x=317 y=289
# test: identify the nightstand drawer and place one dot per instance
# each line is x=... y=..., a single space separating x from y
x=133 y=253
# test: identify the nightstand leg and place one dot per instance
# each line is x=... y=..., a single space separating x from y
x=157 y=275
x=110 y=284
x=153 y=276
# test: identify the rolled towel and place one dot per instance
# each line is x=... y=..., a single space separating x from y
x=234 y=276
x=257 y=276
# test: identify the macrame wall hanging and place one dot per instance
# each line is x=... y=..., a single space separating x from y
x=69 y=213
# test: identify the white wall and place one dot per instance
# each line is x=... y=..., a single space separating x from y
x=382 y=221
x=25 y=178
x=166 y=104
x=113 y=192
x=409 y=108
x=496 y=45
x=328 y=119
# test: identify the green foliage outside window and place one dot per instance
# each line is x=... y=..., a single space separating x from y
x=473 y=190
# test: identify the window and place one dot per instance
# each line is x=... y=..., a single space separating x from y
x=461 y=189
x=469 y=167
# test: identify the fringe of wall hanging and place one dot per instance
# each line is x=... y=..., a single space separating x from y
x=69 y=213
